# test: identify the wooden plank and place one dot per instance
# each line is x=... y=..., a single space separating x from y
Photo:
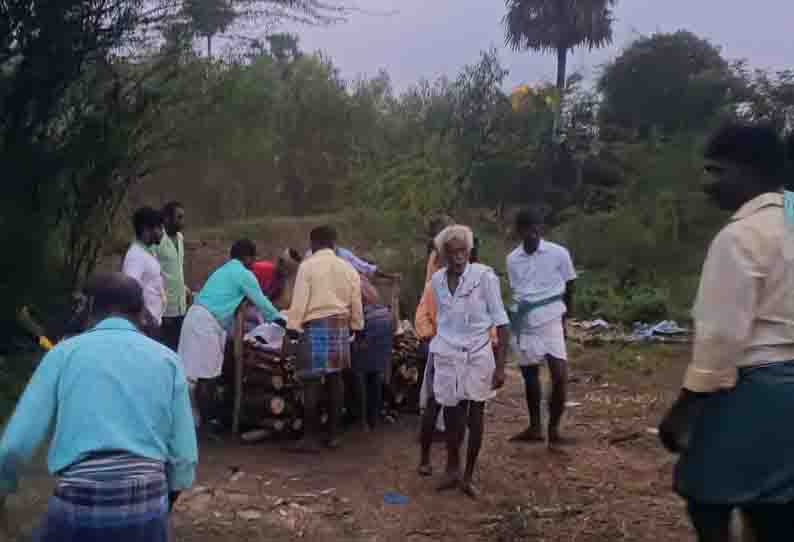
x=238 y=331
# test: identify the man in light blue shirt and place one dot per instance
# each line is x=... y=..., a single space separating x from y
x=202 y=342
x=120 y=408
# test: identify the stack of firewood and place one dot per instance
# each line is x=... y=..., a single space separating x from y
x=408 y=367
x=272 y=399
x=272 y=402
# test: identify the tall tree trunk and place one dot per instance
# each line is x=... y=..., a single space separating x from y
x=209 y=46
x=562 y=65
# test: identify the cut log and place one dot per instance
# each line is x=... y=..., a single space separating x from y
x=254 y=356
x=239 y=320
x=276 y=425
x=265 y=381
x=255 y=436
x=266 y=403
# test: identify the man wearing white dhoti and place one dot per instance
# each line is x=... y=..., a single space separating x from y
x=541 y=276
x=202 y=341
x=466 y=370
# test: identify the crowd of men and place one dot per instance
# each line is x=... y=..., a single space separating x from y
x=118 y=395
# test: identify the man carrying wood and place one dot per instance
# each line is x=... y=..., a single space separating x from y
x=541 y=276
x=202 y=343
x=326 y=307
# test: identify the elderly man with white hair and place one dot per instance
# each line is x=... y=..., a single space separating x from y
x=467 y=371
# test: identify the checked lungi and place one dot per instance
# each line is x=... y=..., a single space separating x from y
x=108 y=497
x=324 y=347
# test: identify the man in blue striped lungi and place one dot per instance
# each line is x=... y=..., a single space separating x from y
x=124 y=444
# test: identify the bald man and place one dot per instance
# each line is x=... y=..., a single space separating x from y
x=124 y=444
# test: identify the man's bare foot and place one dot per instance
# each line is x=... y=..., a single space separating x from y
x=533 y=434
x=469 y=489
x=451 y=481
x=555 y=439
x=334 y=443
x=425 y=469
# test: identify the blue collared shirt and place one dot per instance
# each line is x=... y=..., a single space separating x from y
x=111 y=388
x=227 y=287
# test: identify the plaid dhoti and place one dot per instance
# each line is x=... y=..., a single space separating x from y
x=119 y=500
x=325 y=347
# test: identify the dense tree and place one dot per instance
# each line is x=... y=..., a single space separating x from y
x=768 y=97
x=45 y=50
x=79 y=125
x=669 y=82
x=247 y=20
x=210 y=18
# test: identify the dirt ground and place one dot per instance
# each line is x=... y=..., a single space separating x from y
x=613 y=485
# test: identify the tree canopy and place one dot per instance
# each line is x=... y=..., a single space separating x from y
x=672 y=82
x=558 y=26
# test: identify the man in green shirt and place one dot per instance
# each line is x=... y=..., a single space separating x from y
x=171 y=254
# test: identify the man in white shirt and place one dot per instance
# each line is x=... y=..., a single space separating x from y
x=541 y=277
x=143 y=266
x=730 y=423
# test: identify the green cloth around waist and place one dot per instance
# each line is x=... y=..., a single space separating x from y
x=524 y=308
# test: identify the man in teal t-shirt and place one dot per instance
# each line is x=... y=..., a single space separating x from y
x=202 y=342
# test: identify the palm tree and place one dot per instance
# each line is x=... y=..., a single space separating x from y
x=558 y=26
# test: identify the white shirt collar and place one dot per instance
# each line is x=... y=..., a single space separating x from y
x=542 y=246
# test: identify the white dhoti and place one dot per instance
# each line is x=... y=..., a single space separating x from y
x=463 y=376
x=202 y=344
x=533 y=345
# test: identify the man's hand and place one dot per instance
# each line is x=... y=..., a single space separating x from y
x=675 y=430
x=173 y=496
x=280 y=322
x=498 y=378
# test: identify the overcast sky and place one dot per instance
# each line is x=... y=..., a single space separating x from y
x=428 y=38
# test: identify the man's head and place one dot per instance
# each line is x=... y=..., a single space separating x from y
x=114 y=294
x=743 y=161
x=148 y=225
x=323 y=237
x=245 y=251
x=288 y=262
x=529 y=227
x=454 y=245
x=173 y=217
